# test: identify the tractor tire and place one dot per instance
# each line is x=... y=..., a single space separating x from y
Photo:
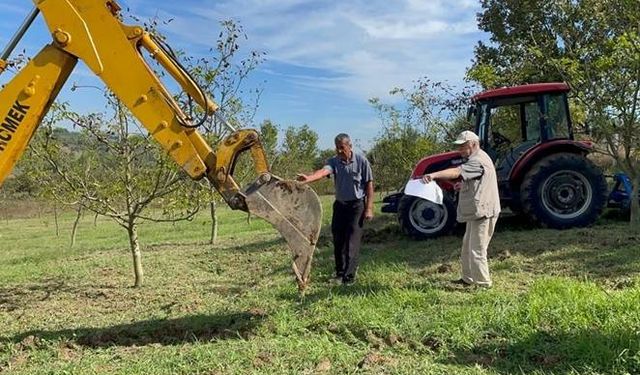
x=564 y=191
x=422 y=219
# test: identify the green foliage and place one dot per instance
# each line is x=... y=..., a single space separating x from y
x=326 y=186
x=298 y=151
x=323 y=157
x=269 y=138
x=394 y=155
x=429 y=113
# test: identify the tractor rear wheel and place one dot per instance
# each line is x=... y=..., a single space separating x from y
x=563 y=191
x=422 y=219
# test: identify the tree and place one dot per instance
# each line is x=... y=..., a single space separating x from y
x=394 y=154
x=222 y=75
x=269 y=138
x=119 y=173
x=593 y=45
x=325 y=186
x=427 y=114
x=298 y=151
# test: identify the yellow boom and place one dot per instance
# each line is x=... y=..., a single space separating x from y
x=91 y=30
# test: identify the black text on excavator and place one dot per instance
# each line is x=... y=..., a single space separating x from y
x=92 y=31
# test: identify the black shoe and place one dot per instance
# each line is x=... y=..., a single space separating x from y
x=336 y=278
x=348 y=280
x=460 y=282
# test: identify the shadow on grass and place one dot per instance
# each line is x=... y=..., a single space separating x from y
x=584 y=351
x=239 y=325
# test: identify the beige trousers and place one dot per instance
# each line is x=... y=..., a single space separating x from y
x=475 y=268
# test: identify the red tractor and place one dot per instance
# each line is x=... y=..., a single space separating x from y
x=542 y=171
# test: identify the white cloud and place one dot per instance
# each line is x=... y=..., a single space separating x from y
x=360 y=48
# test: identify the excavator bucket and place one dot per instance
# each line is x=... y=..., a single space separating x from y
x=294 y=209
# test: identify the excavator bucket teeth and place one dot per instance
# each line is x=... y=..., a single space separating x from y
x=294 y=210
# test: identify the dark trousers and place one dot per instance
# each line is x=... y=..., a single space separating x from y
x=346 y=226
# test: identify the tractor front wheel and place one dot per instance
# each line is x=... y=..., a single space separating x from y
x=422 y=219
x=564 y=191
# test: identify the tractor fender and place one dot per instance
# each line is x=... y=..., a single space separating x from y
x=438 y=162
x=541 y=150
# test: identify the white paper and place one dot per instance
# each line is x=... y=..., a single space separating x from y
x=429 y=191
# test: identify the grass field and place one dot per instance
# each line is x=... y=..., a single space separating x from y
x=564 y=302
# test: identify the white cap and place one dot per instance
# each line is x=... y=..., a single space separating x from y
x=465 y=137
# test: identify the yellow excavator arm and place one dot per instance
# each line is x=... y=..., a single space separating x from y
x=91 y=30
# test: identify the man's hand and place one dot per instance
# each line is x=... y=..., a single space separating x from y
x=302 y=177
x=368 y=214
x=427 y=178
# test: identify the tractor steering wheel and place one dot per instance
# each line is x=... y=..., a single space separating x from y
x=500 y=140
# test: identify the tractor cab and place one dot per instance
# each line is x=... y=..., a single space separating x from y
x=511 y=121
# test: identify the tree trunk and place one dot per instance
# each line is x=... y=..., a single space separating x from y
x=74 y=230
x=634 y=220
x=137 y=255
x=55 y=218
x=95 y=220
x=214 y=222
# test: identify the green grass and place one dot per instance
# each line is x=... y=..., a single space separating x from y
x=564 y=302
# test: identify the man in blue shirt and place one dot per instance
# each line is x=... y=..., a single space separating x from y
x=353 y=182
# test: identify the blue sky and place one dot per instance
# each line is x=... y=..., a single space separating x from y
x=325 y=58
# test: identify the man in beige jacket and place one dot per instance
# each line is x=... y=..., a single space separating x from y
x=478 y=207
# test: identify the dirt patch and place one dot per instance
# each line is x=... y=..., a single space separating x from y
x=290 y=186
x=392 y=339
x=262 y=359
x=23 y=296
x=374 y=340
x=444 y=268
x=68 y=351
x=372 y=358
x=433 y=343
x=257 y=312
x=323 y=366
x=375 y=359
